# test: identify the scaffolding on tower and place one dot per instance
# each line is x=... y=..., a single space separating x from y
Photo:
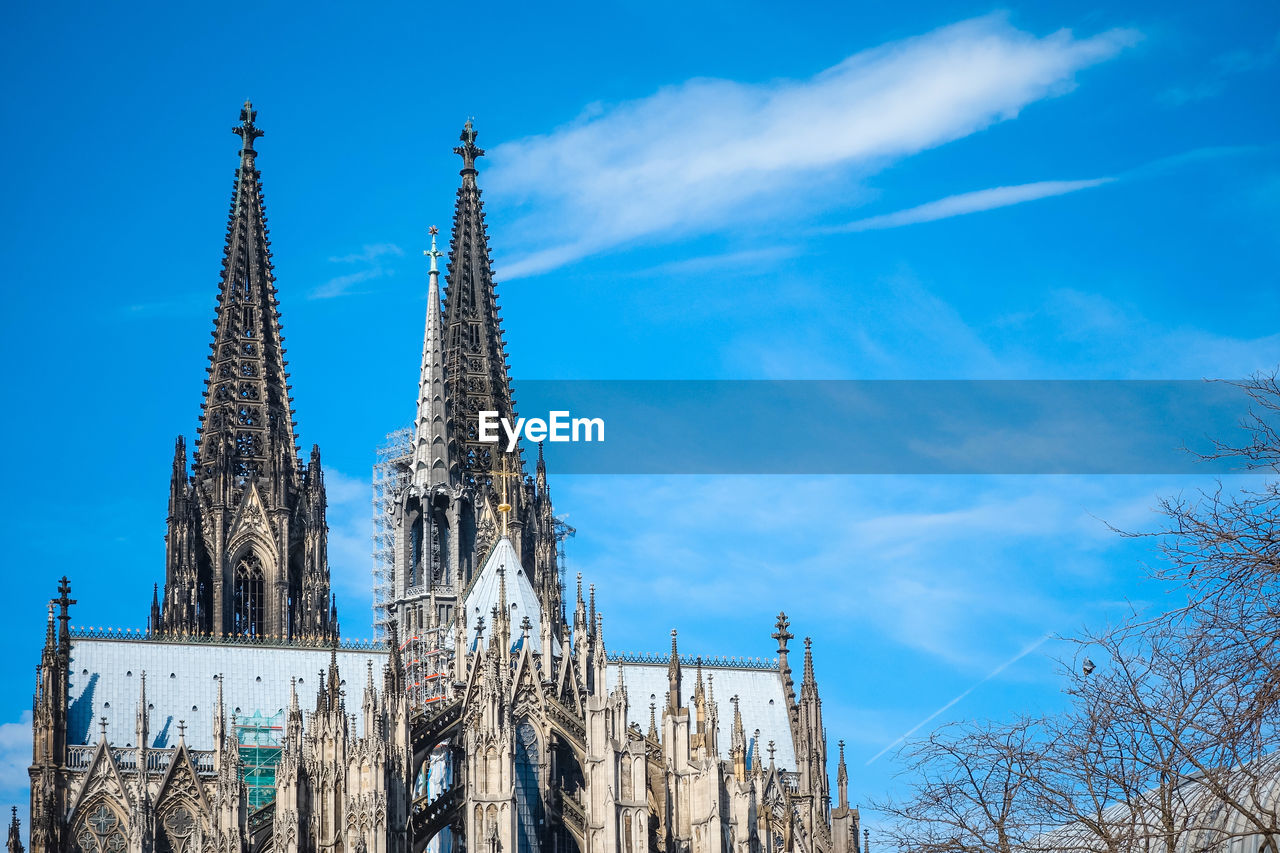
x=427 y=661
x=390 y=476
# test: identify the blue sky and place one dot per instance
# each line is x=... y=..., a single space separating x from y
x=871 y=191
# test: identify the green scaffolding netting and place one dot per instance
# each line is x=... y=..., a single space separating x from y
x=260 y=737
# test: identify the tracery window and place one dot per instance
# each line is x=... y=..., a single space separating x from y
x=247 y=618
x=248 y=444
x=529 y=815
x=98 y=830
x=176 y=829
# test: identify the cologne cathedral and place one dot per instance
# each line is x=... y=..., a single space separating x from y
x=488 y=717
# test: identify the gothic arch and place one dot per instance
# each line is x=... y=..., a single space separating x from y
x=97 y=827
x=179 y=826
x=250 y=592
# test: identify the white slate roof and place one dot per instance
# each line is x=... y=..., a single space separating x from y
x=181 y=685
x=759 y=692
x=521 y=599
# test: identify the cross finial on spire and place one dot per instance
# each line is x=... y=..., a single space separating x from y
x=433 y=253
x=468 y=150
x=247 y=130
x=182 y=729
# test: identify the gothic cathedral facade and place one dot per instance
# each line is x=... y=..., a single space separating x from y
x=489 y=717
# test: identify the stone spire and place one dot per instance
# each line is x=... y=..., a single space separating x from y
x=333 y=683
x=842 y=780
x=474 y=351
x=247 y=421
x=808 y=684
x=246 y=549
x=783 y=636
x=143 y=722
x=14 y=844
x=431 y=457
x=673 y=676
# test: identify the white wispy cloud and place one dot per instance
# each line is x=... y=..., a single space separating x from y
x=916 y=333
x=708 y=152
x=369 y=254
x=971 y=202
x=15 y=757
x=370 y=257
x=915 y=559
x=1216 y=77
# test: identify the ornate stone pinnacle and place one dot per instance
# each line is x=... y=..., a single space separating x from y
x=247 y=130
x=468 y=150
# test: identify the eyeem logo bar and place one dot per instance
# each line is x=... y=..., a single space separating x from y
x=557 y=427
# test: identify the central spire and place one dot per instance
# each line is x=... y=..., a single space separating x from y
x=431 y=458
x=475 y=353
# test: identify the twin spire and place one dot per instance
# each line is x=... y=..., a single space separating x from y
x=464 y=361
x=475 y=354
x=246 y=417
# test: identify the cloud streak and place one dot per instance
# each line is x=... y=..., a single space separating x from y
x=970 y=202
x=999 y=669
x=371 y=257
x=717 y=151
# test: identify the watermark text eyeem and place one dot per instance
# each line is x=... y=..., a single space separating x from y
x=557 y=426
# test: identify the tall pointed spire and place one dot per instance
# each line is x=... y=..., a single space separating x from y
x=247 y=472
x=808 y=683
x=474 y=350
x=431 y=457
x=246 y=417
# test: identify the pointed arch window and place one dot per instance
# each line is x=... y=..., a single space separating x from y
x=439 y=527
x=98 y=830
x=176 y=830
x=529 y=814
x=415 y=552
x=247 y=620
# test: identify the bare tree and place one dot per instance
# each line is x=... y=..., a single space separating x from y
x=970 y=789
x=1172 y=738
